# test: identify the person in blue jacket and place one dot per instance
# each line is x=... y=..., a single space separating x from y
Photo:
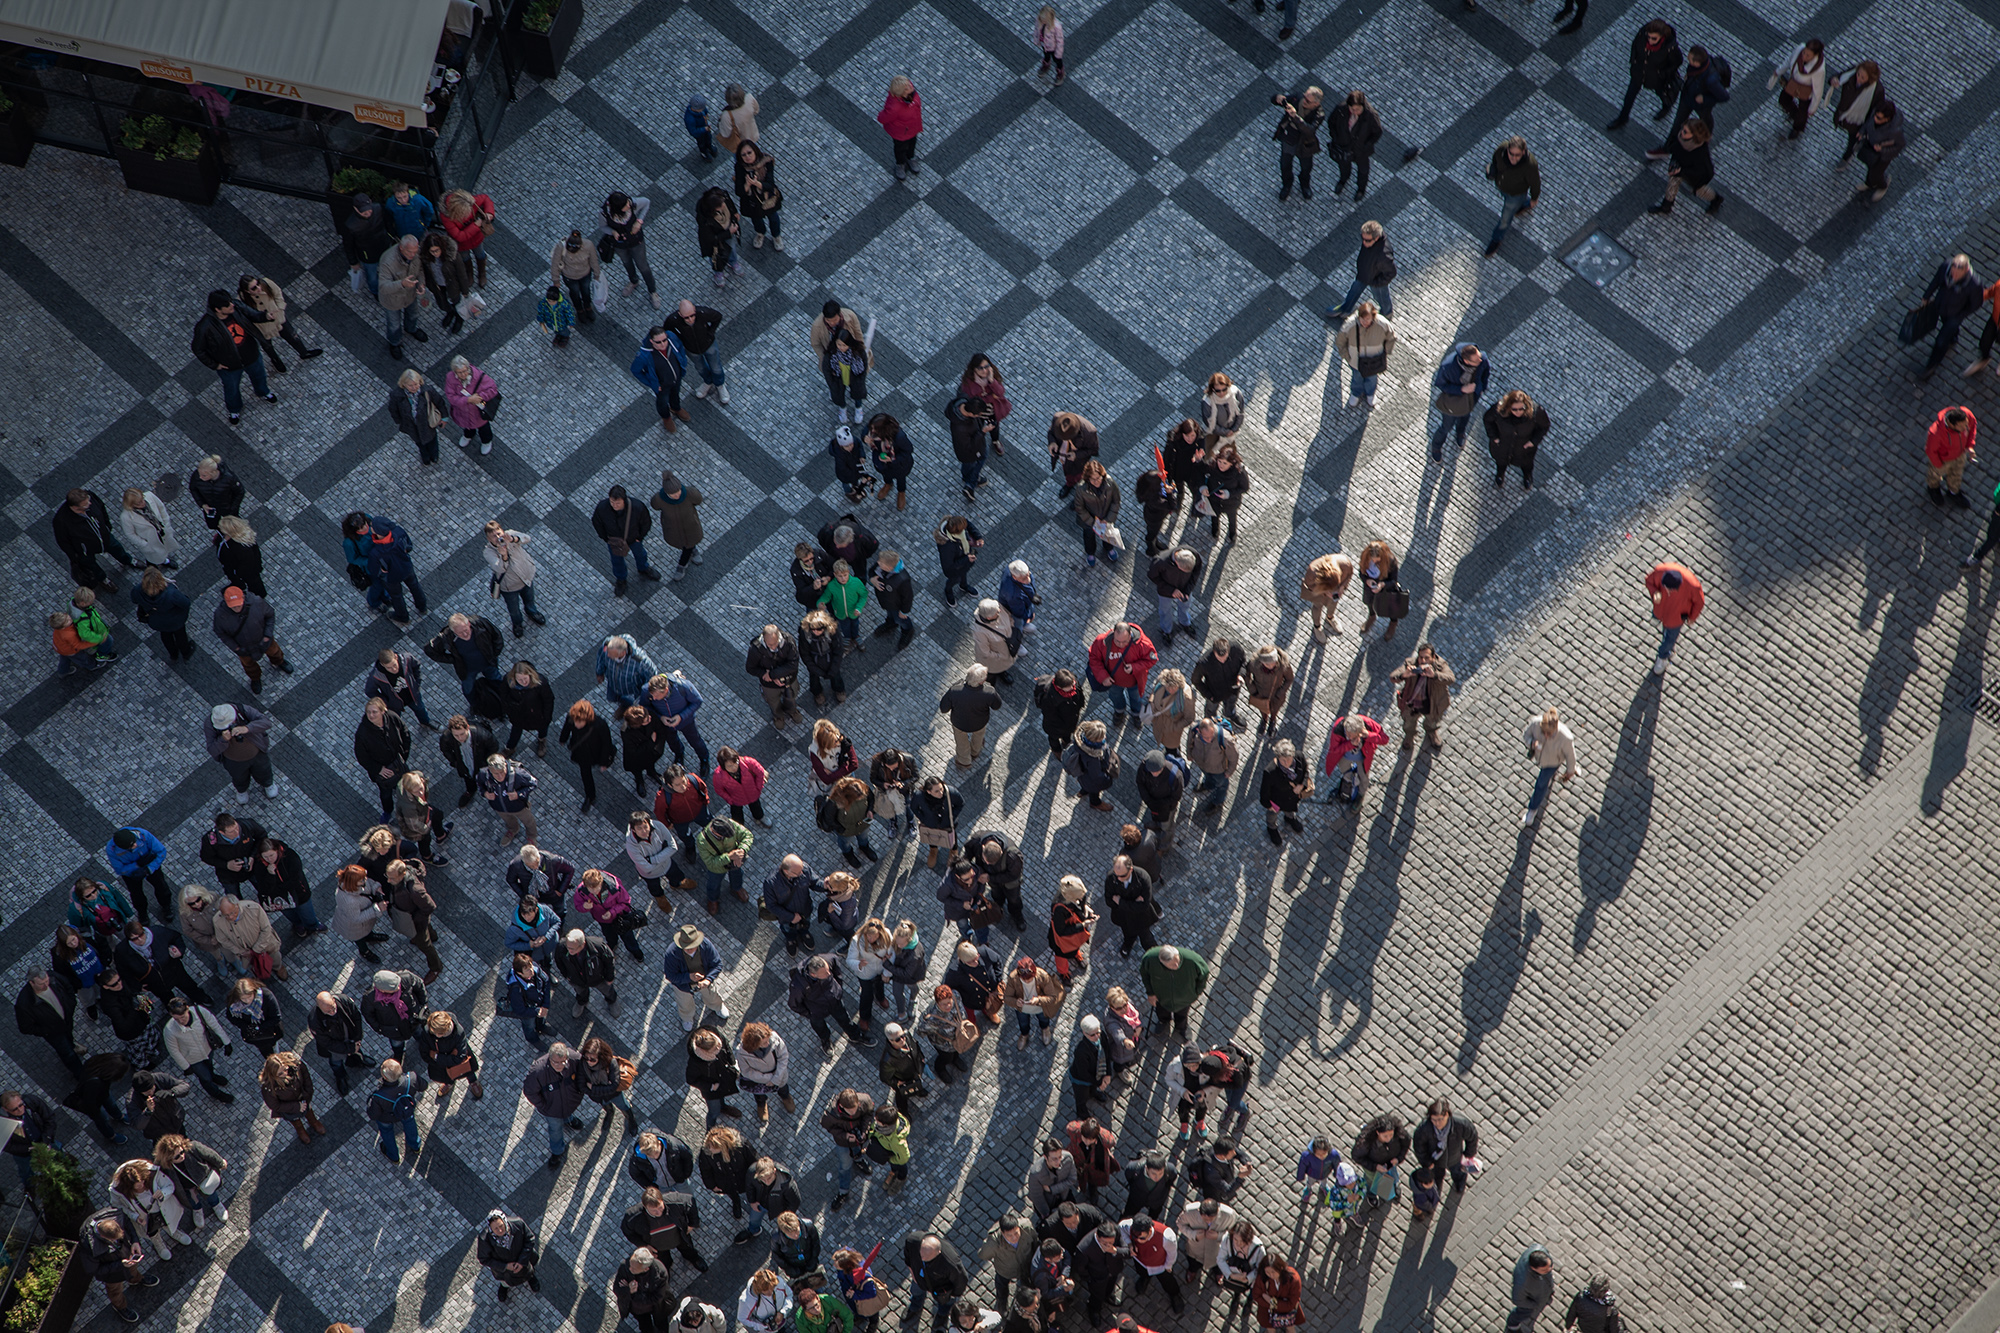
x=695 y=118
x=676 y=700
x=162 y=605
x=409 y=213
x=661 y=364
x=533 y=929
x=1460 y=381
x=528 y=996
x=136 y=855
x=385 y=549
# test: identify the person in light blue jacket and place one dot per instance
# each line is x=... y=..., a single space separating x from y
x=533 y=929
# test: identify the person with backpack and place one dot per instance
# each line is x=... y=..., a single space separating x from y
x=110 y=1253
x=1704 y=87
x=392 y=1105
x=661 y=365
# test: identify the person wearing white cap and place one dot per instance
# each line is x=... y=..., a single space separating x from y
x=850 y=464
x=239 y=738
x=902 y=1066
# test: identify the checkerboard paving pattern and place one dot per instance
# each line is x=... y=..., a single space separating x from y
x=1108 y=243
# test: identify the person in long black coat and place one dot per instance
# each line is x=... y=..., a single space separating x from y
x=1514 y=430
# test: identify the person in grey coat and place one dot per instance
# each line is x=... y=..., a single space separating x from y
x=244 y=623
x=238 y=738
x=399 y=284
x=1053 y=1180
x=419 y=409
x=1534 y=1288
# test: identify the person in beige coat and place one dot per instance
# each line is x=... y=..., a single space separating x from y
x=1326 y=578
x=1364 y=343
x=243 y=928
x=1553 y=748
x=264 y=302
x=1423 y=694
x=992 y=631
x=1267 y=680
x=399 y=284
x=149 y=533
x=1211 y=748
x=574 y=264
x=198 y=919
x=738 y=122
x=1034 y=996
x=1173 y=707
x=512 y=573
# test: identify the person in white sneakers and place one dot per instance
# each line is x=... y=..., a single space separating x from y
x=1552 y=746
x=695 y=326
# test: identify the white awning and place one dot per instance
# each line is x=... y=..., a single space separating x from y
x=369 y=58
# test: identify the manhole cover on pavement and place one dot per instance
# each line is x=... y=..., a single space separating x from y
x=1599 y=259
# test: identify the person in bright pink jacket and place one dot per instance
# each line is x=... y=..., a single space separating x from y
x=1353 y=735
x=739 y=780
x=473 y=397
x=902 y=114
x=603 y=899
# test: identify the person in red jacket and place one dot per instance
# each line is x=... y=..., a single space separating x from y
x=902 y=114
x=1358 y=736
x=468 y=219
x=1947 y=449
x=1677 y=601
x=1120 y=660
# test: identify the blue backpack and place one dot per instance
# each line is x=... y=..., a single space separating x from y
x=391 y=1104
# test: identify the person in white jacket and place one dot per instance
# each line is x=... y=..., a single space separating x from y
x=1553 y=748
x=148 y=531
x=765 y=1304
x=192 y=1035
x=694 y=1316
x=143 y=1190
x=764 y=1067
x=1801 y=84
x=652 y=847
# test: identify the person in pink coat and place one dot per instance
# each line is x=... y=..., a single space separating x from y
x=600 y=896
x=902 y=114
x=1350 y=749
x=473 y=397
x=739 y=780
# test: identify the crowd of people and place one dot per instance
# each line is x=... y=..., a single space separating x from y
x=123 y=963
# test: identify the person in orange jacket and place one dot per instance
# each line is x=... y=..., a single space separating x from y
x=1947 y=449
x=1677 y=601
x=1992 y=333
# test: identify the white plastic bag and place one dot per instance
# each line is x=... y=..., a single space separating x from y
x=600 y=292
x=356 y=280
x=472 y=307
x=1110 y=534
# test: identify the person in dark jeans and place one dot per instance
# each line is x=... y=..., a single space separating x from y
x=1655 y=64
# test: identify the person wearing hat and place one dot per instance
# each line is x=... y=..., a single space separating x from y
x=396 y=1008
x=850 y=463
x=692 y=968
x=902 y=1066
x=696 y=1317
x=1267 y=681
x=192 y=1036
x=507 y=1250
x=587 y=963
x=1034 y=996
x=364 y=235
x=225 y=340
x=1174 y=578
x=1678 y=598
x=238 y=738
x=1162 y=781
x=1595 y=1309
x=244 y=621
x=680 y=524
x=1534 y=1288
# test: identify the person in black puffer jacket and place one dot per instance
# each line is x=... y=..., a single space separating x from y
x=1379 y=1149
x=1656 y=64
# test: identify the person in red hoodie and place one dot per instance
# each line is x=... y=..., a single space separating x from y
x=1677 y=600
x=1120 y=661
x=1947 y=449
x=1354 y=739
x=902 y=114
x=468 y=219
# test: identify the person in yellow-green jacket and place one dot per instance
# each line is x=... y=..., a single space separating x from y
x=821 y=1312
x=892 y=1131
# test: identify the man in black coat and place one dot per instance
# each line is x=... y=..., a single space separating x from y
x=396 y=1007
x=665 y=1220
x=1352 y=131
x=618 y=522
x=225 y=341
x=936 y=1272
x=971 y=421
x=774 y=660
x=364 y=238
x=46 y=1008
x=470 y=646
x=1298 y=139
x=1149 y=1186
x=1955 y=293
x=1161 y=787
x=970 y=707
x=895 y=594
x=1656 y=64
x=466 y=747
x=1174 y=577
x=998 y=868
x=1374 y=269
x=815 y=993
x=150 y=956
x=507 y=1250
x=1073 y=1224
x=83 y=532
x=587 y=963
x=1098 y=1264
x=1218 y=679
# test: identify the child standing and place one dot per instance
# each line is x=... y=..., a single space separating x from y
x=1315 y=1163
x=846 y=370
x=891 y=1132
x=850 y=464
x=695 y=118
x=91 y=626
x=1049 y=37
x=555 y=314
x=1423 y=1193
x=902 y=114
x=74 y=652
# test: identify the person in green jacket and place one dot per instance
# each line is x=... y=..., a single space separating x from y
x=821 y=1312
x=91 y=627
x=1174 y=980
x=843 y=597
x=723 y=846
x=892 y=1130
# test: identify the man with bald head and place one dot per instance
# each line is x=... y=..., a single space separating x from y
x=936 y=1272
x=696 y=325
x=774 y=660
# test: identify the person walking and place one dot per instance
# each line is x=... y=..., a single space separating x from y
x=578 y=268
x=680 y=521
x=1678 y=599
x=1374 y=270
x=1534 y=1287
x=661 y=365
x=1552 y=746
x=1047 y=35
x=759 y=198
x=470 y=646
x=1516 y=426
x=1460 y=382
x=624 y=222
x=1954 y=294
x=158 y=602
x=225 y=341
x=1352 y=131
x=1655 y=63
x=971 y=706
x=385 y=555
x=1284 y=785
x=84 y=531
x=1991 y=297
x=1694 y=167
x=1804 y=84
x=418 y=410
x=1518 y=177
x=244 y=623
x=1883 y=140
x=511 y=572
x=1423 y=696
x=902 y=115
x=447 y=278
x=1856 y=94
x=1298 y=138
x=623 y=527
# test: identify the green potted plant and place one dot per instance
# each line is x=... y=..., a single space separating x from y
x=349 y=181
x=62 y=1191
x=159 y=156
x=17 y=132
x=542 y=33
x=48 y=1289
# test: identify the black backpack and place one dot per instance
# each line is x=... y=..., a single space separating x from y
x=795 y=991
x=1722 y=70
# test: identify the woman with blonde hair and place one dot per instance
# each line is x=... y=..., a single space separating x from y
x=590 y=748
x=1173 y=708
x=418 y=820
x=725 y=1157
x=1221 y=411
x=1364 y=343
x=1515 y=428
x=149 y=533
x=766 y=1303
x=902 y=115
x=195 y=1171
x=474 y=399
x=1326 y=578
x=241 y=558
x=1380 y=592
x=1048 y=38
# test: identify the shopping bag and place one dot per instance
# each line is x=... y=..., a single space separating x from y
x=600 y=292
x=355 y=280
x=472 y=307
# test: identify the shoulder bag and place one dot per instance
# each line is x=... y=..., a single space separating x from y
x=621 y=546
x=1455 y=404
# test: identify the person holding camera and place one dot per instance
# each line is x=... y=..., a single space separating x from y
x=1423 y=693
x=1298 y=137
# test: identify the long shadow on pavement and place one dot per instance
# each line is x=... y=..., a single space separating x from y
x=1609 y=844
x=1490 y=978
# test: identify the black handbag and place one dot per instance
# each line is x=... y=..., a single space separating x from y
x=491 y=407
x=607 y=250
x=1917 y=325
x=1393 y=602
x=359 y=577
x=876 y=1152
x=633 y=918
x=1372 y=364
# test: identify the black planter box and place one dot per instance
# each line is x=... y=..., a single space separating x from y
x=542 y=53
x=195 y=180
x=68 y=1299
x=17 y=137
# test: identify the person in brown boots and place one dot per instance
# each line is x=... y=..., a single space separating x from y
x=287 y=1086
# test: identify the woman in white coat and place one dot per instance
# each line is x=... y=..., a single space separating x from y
x=1801 y=84
x=148 y=532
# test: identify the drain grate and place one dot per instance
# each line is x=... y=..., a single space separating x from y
x=1985 y=705
x=1599 y=259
